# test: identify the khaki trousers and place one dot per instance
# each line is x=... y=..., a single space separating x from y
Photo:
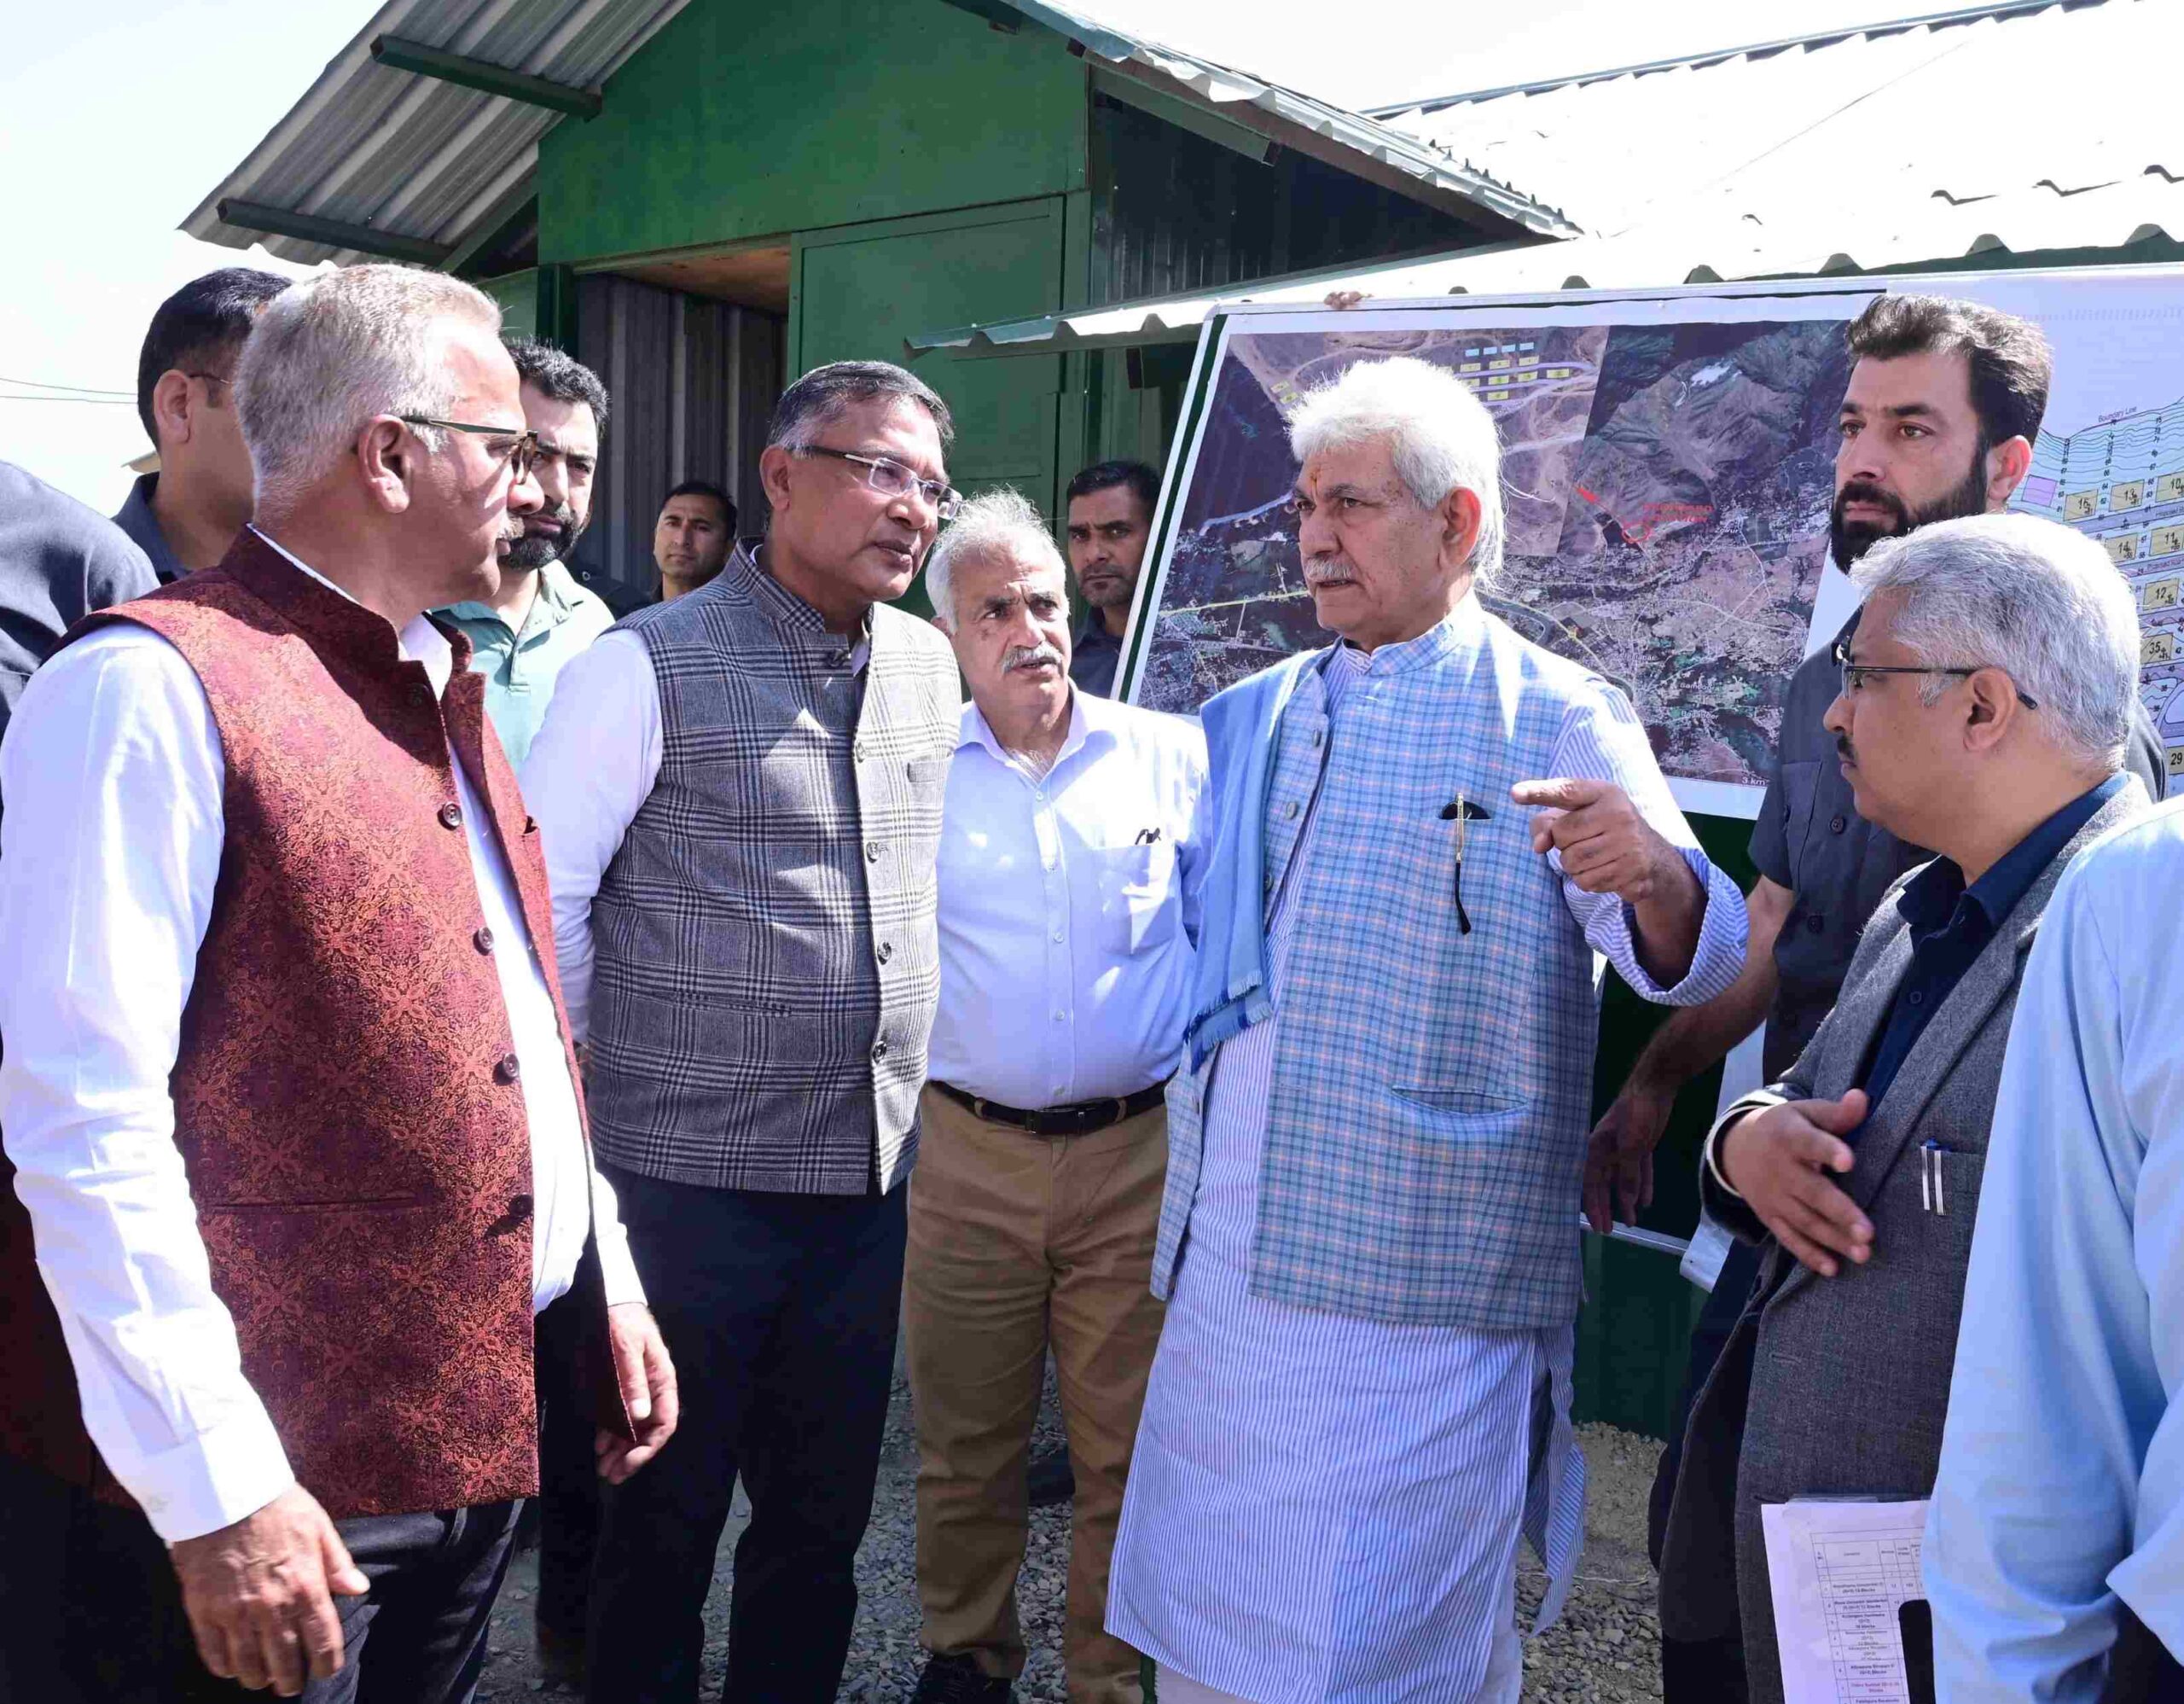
x=1018 y=1243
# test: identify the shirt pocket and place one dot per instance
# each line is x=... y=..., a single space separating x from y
x=1140 y=908
x=1800 y=788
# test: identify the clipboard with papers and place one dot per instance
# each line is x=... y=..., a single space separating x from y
x=1841 y=1572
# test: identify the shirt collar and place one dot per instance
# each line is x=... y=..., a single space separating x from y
x=1460 y=631
x=420 y=642
x=1937 y=895
x=556 y=595
x=1088 y=714
x=1092 y=635
x=137 y=519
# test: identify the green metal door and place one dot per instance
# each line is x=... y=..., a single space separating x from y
x=861 y=290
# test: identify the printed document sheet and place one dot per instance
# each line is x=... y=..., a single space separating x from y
x=1839 y=1570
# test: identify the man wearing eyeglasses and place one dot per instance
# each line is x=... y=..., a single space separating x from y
x=541 y=617
x=186 y=514
x=1983 y=709
x=288 y=1088
x=741 y=793
x=1943 y=402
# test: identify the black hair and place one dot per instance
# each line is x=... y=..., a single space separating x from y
x=705 y=488
x=817 y=399
x=205 y=320
x=2012 y=365
x=1143 y=482
x=560 y=376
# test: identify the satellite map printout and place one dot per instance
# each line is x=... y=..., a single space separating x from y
x=1666 y=482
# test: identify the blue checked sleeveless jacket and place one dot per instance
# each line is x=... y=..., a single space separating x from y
x=1431 y=1090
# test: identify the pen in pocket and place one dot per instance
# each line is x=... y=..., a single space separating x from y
x=1463 y=813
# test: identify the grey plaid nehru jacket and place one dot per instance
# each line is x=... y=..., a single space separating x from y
x=767 y=958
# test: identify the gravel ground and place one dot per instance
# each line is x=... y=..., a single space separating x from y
x=1604 y=1650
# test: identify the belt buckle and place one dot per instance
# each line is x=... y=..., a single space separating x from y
x=1122 y=1108
x=979 y=1107
x=1031 y=1122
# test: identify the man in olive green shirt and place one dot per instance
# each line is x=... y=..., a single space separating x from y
x=541 y=617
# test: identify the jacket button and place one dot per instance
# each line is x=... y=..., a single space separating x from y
x=1815 y=924
x=878 y=1051
x=483 y=940
x=1838 y=826
x=871 y=852
x=520 y=1208
x=1289 y=809
x=450 y=816
x=885 y=952
x=510 y=1069
x=420 y=693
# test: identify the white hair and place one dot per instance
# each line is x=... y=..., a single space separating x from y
x=1003 y=523
x=2041 y=602
x=331 y=352
x=1440 y=436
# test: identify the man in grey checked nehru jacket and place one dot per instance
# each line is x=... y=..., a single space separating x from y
x=1983 y=707
x=1370 y=1245
x=1070 y=862
x=741 y=794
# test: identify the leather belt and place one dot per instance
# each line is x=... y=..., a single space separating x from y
x=1081 y=1118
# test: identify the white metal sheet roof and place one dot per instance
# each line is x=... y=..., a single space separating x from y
x=2014 y=131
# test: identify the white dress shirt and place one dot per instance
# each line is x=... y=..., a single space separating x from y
x=113 y=769
x=1069 y=908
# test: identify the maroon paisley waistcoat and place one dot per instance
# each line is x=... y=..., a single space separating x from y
x=346 y=1096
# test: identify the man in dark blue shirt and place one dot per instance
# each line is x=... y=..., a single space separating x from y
x=1984 y=706
x=185 y=515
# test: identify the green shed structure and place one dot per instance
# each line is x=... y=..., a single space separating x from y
x=698 y=197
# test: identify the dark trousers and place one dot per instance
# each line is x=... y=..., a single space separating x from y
x=568 y=1476
x=780 y=1313
x=1701 y=1671
x=90 y=1612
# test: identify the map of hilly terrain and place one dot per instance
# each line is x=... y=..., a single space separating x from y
x=1666 y=487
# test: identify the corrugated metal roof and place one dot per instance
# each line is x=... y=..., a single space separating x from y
x=416 y=157
x=1218 y=86
x=2014 y=131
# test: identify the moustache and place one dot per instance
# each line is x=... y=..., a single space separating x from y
x=561 y=515
x=1029 y=657
x=1865 y=492
x=1326 y=568
x=1842 y=751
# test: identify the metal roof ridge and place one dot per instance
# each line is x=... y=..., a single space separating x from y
x=1996 y=9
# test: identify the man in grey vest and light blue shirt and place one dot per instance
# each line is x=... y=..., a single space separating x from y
x=741 y=794
x=1370 y=1245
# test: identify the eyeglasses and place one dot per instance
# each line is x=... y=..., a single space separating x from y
x=893 y=478
x=222 y=379
x=519 y=450
x=1854 y=674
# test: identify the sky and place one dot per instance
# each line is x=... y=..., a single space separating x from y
x=118 y=116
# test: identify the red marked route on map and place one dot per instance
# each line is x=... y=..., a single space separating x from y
x=1652 y=516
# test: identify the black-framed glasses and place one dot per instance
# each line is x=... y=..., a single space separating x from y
x=1854 y=674
x=893 y=478
x=522 y=454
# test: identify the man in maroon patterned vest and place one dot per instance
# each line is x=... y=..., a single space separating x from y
x=286 y=1086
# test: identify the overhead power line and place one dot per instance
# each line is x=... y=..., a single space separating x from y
x=80 y=390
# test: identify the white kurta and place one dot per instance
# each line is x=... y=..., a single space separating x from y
x=1325 y=1508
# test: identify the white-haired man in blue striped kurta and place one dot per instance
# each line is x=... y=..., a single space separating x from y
x=1369 y=1244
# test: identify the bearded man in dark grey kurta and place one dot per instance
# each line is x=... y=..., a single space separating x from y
x=741 y=794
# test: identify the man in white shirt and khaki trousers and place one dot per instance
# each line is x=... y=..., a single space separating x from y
x=1069 y=858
